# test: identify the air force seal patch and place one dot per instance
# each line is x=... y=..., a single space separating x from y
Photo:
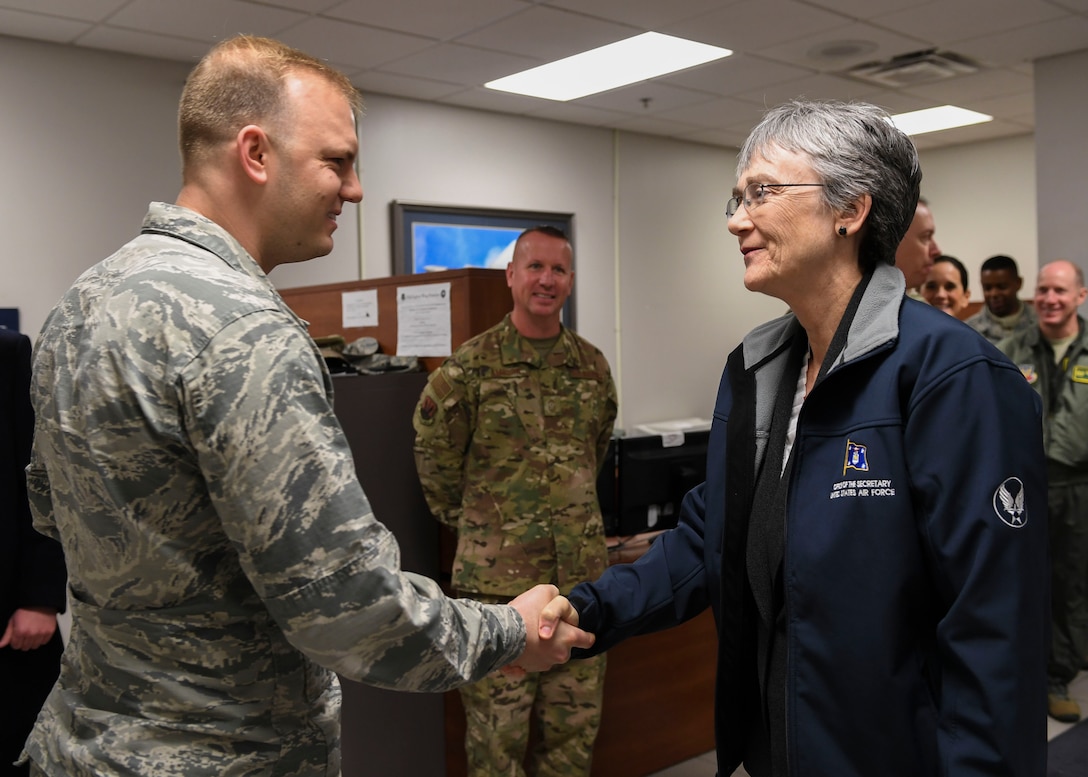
x=855 y=457
x=1009 y=503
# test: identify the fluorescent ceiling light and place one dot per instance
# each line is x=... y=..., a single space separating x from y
x=935 y=119
x=644 y=56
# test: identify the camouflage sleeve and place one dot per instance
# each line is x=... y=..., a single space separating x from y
x=280 y=473
x=443 y=421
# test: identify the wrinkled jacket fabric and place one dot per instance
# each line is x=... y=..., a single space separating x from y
x=508 y=448
x=223 y=557
x=914 y=577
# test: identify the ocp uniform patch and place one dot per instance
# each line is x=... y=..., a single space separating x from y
x=427 y=410
x=441 y=386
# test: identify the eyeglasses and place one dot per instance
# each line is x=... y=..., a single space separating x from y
x=755 y=194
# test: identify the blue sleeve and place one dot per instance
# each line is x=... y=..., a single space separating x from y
x=989 y=562
x=665 y=587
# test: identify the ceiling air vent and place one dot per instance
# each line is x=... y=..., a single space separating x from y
x=919 y=67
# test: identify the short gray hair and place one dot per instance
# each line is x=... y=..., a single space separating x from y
x=855 y=150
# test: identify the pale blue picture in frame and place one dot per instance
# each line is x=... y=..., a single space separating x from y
x=452 y=246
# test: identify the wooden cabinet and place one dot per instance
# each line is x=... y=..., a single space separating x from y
x=479 y=298
x=390 y=732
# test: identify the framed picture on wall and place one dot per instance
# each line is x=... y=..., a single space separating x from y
x=432 y=238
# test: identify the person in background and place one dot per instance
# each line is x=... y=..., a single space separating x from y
x=918 y=249
x=1003 y=314
x=945 y=287
x=879 y=584
x=32 y=574
x=511 y=432
x=223 y=558
x=1053 y=357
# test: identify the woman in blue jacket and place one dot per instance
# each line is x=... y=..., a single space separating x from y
x=871 y=534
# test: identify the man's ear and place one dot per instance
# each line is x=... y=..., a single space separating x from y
x=253 y=152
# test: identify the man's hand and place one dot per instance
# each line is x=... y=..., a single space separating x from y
x=29 y=628
x=551 y=626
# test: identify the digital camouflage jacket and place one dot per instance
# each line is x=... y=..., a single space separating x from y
x=223 y=558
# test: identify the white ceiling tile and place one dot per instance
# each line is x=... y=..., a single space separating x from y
x=207 y=20
x=718 y=137
x=894 y=101
x=1080 y=6
x=353 y=44
x=306 y=6
x=1060 y=36
x=520 y=34
x=721 y=112
x=648 y=14
x=973 y=134
x=867 y=9
x=976 y=86
x=1019 y=108
x=376 y=82
x=652 y=125
x=463 y=64
x=144 y=44
x=817 y=87
x=816 y=51
x=501 y=102
x=646 y=97
x=439 y=19
x=577 y=114
x=944 y=22
x=752 y=26
x=49 y=28
x=84 y=10
x=738 y=73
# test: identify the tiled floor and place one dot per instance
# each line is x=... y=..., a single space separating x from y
x=704 y=765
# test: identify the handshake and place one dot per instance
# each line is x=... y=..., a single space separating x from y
x=551 y=630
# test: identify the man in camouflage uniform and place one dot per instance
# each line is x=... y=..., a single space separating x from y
x=1003 y=314
x=222 y=555
x=511 y=432
x=1053 y=356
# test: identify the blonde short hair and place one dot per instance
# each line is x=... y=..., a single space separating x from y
x=239 y=82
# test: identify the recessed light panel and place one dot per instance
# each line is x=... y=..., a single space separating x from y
x=935 y=119
x=629 y=61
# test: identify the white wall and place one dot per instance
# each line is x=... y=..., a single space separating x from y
x=1061 y=116
x=88 y=138
x=683 y=305
x=983 y=201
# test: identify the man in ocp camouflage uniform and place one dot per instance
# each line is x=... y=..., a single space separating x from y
x=222 y=555
x=511 y=432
